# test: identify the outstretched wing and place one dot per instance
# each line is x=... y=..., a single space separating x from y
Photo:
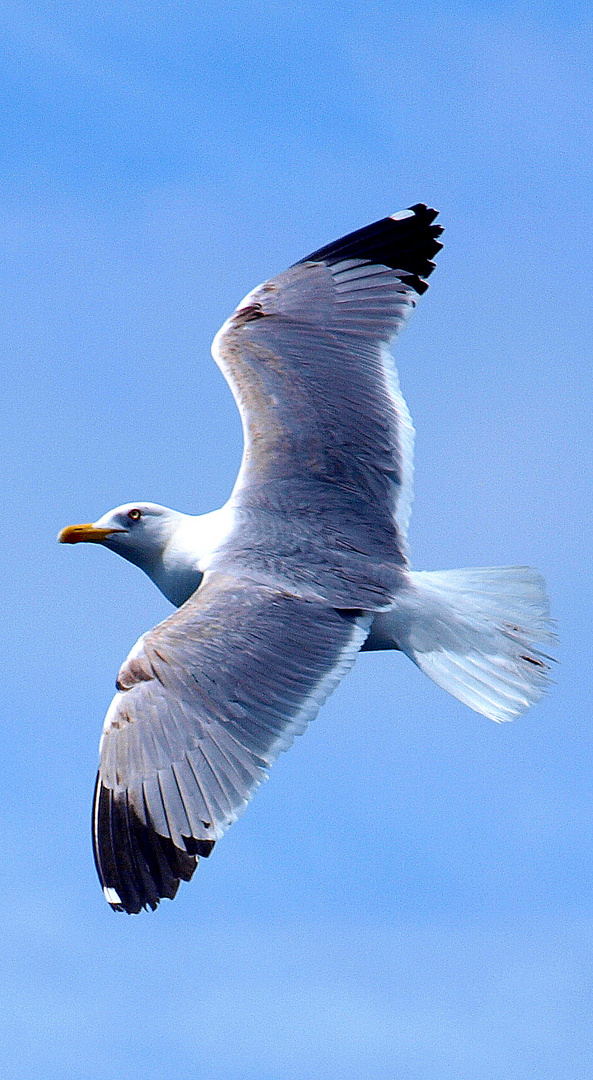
x=328 y=437
x=206 y=702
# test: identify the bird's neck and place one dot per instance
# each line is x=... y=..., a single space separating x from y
x=177 y=582
x=179 y=570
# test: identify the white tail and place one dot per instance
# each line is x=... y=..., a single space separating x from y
x=474 y=632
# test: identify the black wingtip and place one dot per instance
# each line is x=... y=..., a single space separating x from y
x=406 y=241
x=137 y=867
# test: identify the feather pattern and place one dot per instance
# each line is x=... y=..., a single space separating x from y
x=213 y=695
x=327 y=457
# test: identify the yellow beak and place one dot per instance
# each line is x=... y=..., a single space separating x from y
x=77 y=534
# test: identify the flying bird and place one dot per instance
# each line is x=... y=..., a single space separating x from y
x=305 y=566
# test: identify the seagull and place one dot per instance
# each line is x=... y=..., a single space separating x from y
x=304 y=567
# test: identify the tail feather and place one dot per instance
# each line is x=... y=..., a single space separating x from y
x=476 y=633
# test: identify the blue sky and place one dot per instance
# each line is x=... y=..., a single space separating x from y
x=410 y=896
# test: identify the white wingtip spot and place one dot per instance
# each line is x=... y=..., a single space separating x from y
x=111 y=896
x=402 y=215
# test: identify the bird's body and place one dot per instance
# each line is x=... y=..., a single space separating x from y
x=304 y=566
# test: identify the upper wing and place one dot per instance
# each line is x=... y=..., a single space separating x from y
x=328 y=437
x=207 y=701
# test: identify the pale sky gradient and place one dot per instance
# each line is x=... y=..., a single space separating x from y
x=410 y=896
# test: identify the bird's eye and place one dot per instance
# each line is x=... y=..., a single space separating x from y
x=134 y=515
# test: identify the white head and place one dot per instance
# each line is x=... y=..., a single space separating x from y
x=138 y=531
x=147 y=535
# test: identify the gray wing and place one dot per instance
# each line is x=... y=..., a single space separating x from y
x=206 y=702
x=328 y=438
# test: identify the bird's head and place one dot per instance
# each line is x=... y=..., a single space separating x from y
x=138 y=531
